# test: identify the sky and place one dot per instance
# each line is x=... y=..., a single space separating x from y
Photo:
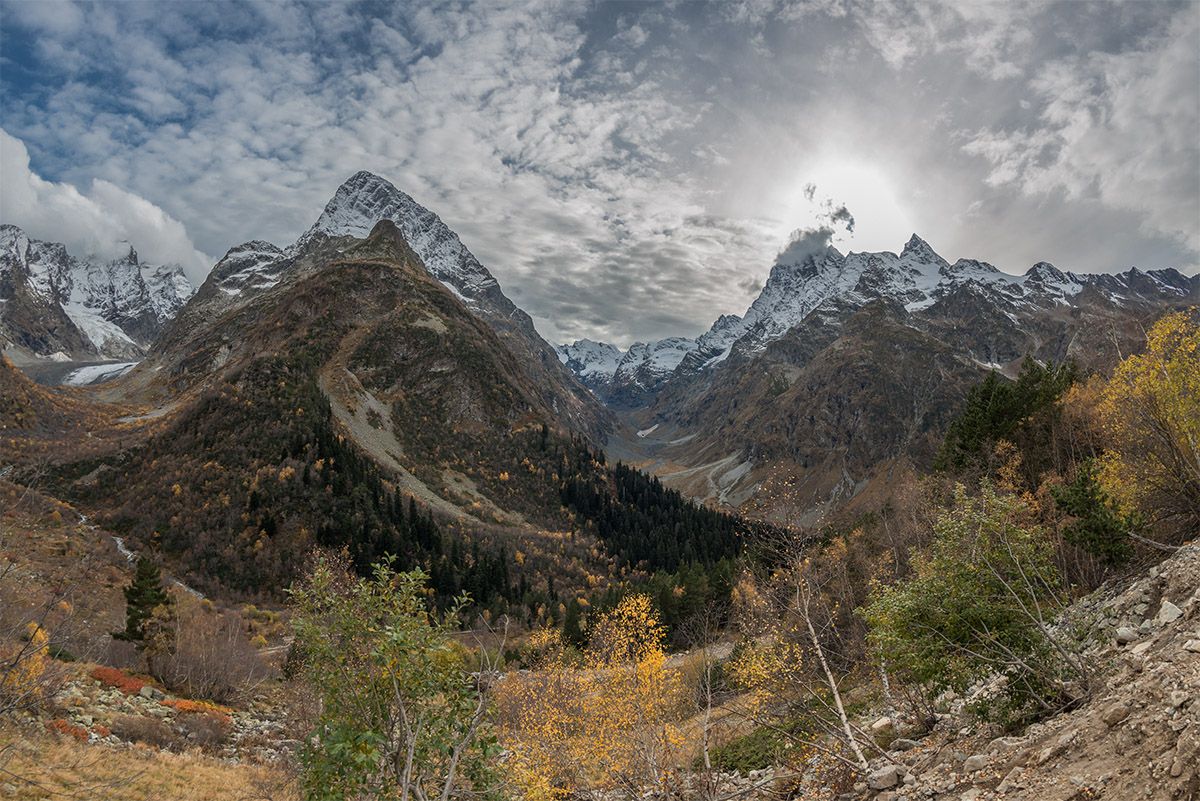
x=627 y=171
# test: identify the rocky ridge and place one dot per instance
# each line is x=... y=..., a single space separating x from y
x=803 y=279
x=53 y=304
x=257 y=269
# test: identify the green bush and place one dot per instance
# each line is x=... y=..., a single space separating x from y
x=977 y=605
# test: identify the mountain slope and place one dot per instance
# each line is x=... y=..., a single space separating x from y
x=843 y=373
x=249 y=271
x=324 y=405
x=53 y=303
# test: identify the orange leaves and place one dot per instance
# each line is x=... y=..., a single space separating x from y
x=111 y=677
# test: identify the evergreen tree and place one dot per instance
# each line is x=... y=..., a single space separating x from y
x=145 y=593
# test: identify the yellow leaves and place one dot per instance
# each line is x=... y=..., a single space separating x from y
x=25 y=666
x=176 y=489
x=287 y=473
x=1151 y=418
x=574 y=728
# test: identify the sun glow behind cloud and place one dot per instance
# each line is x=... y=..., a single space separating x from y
x=880 y=221
x=628 y=171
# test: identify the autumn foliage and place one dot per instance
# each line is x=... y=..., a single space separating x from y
x=613 y=719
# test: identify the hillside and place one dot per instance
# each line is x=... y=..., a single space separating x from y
x=838 y=383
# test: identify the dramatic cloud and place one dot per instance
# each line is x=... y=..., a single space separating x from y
x=105 y=222
x=628 y=171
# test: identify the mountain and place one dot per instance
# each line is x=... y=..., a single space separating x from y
x=802 y=279
x=842 y=375
x=625 y=380
x=254 y=269
x=53 y=304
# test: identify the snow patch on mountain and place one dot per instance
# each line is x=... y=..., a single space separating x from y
x=365 y=199
x=118 y=305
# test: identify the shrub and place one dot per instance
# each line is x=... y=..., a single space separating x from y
x=137 y=729
x=211 y=657
x=977 y=605
x=63 y=727
x=186 y=707
x=209 y=730
x=395 y=718
x=111 y=677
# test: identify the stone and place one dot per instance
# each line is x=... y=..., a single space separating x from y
x=1193 y=646
x=1004 y=744
x=1178 y=698
x=903 y=744
x=1141 y=648
x=1115 y=714
x=881 y=725
x=971 y=795
x=1168 y=613
x=977 y=762
x=1126 y=635
x=885 y=777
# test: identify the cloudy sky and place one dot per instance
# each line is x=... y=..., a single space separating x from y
x=627 y=170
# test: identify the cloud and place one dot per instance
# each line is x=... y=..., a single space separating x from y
x=105 y=222
x=1120 y=128
x=626 y=171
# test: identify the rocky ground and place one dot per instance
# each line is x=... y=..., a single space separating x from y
x=1139 y=738
x=107 y=707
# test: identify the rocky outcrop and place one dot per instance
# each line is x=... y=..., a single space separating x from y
x=52 y=303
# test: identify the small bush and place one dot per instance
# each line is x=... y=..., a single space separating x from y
x=186 y=707
x=111 y=677
x=63 y=727
x=151 y=731
x=209 y=730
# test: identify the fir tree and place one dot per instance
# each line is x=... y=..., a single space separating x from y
x=143 y=595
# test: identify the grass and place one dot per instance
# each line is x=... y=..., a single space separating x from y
x=44 y=766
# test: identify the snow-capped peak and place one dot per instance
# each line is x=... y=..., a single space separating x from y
x=365 y=199
x=119 y=306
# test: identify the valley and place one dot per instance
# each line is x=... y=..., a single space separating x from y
x=693 y=568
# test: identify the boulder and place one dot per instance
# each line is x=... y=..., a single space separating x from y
x=885 y=777
x=977 y=762
x=1168 y=613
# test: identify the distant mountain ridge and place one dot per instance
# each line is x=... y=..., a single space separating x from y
x=802 y=280
x=52 y=303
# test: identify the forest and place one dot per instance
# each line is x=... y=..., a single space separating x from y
x=410 y=654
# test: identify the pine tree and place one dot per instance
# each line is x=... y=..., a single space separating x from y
x=145 y=593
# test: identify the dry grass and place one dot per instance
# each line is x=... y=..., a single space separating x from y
x=43 y=766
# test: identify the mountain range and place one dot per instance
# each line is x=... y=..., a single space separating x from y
x=840 y=379
x=837 y=382
x=55 y=305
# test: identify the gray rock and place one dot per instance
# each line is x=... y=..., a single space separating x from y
x=1126 y=635
x=977 y=762
x=1115 y=714
x=885 y=777
x=151 y=693
x=1193 y=646
x=1168 y=613
x=903 y=744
